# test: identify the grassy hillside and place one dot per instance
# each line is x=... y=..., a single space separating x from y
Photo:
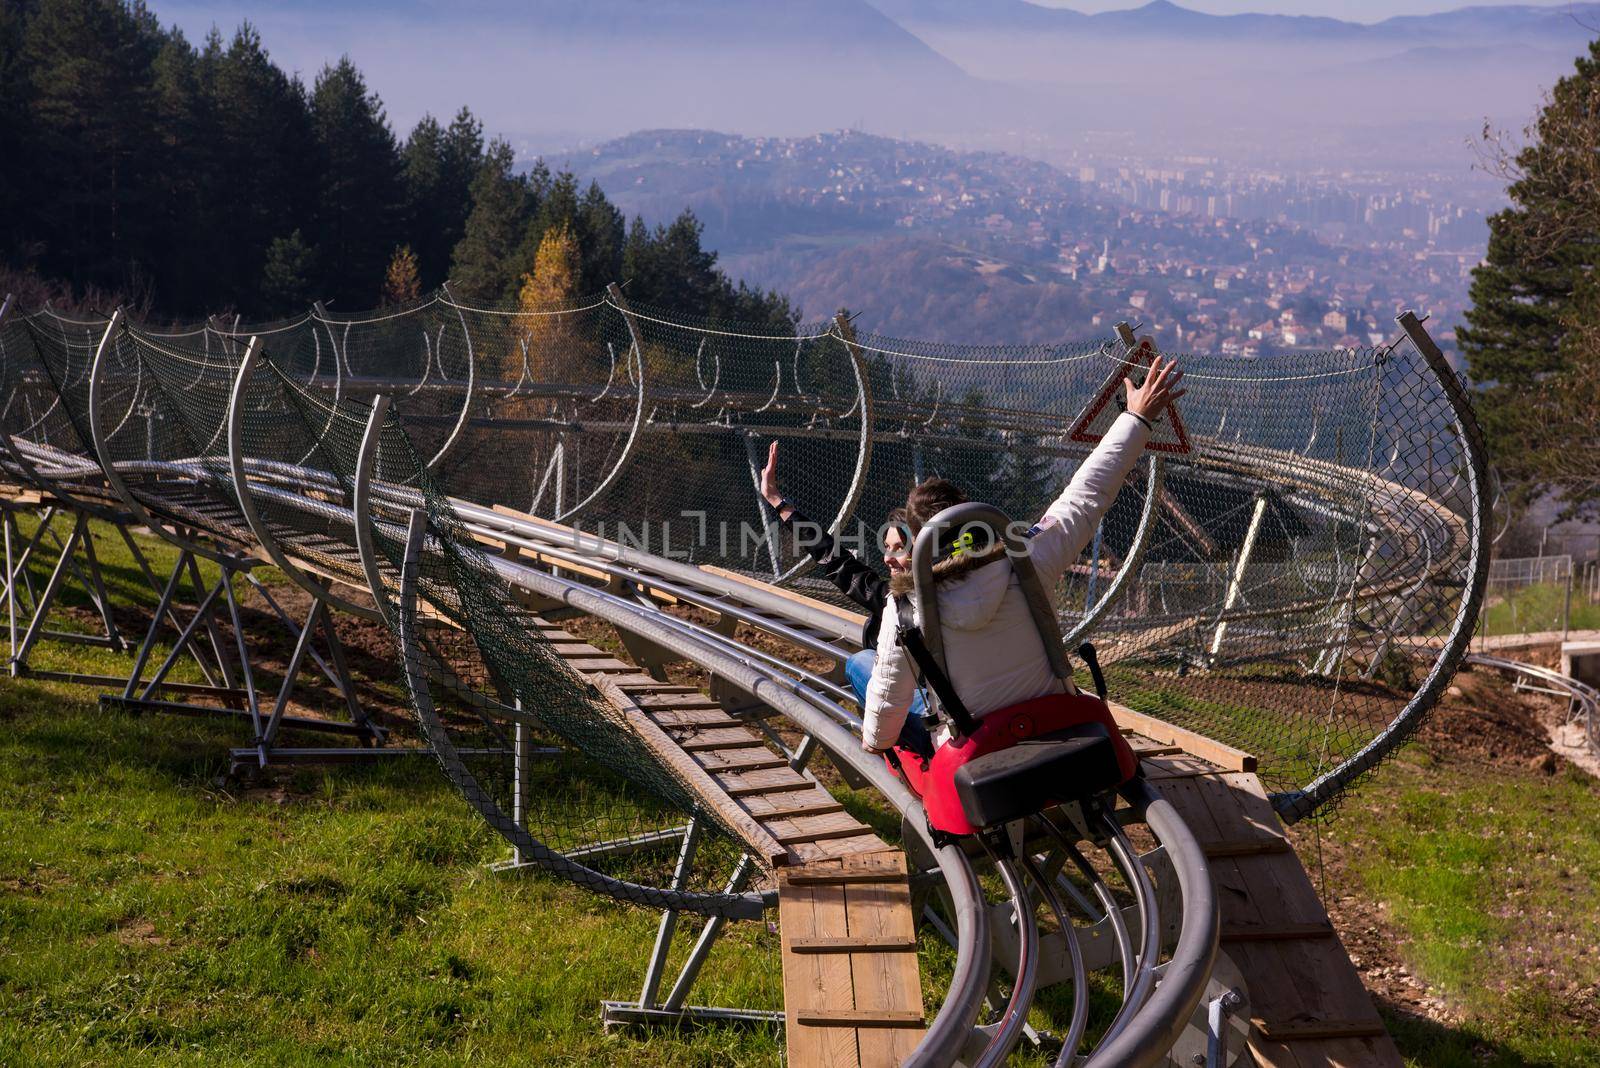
x=153 y=913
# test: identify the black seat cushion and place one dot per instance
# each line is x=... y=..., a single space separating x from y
x=1019 y=780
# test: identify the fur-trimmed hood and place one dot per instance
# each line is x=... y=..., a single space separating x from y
x=946 y=570
x=970 y=587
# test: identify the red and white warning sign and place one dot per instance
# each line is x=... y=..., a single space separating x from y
x=1168 y=436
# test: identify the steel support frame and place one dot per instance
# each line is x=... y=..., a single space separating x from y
x=673 y=1011
x=237 y=675
x=203 y=640
x=27 y=609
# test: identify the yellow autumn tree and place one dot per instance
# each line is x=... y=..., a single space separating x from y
x=402 y=282
x=554 y=280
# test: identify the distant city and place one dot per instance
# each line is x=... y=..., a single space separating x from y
x=1211 y=258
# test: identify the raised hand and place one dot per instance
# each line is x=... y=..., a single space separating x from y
x=1160 y=389
x=769 y=478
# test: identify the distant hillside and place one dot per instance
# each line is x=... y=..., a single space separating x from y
x=759 y=192
x=972 y=72
x=1163 y=69
x=1525 y=23
x=921 y=288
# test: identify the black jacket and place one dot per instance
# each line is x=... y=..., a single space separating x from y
x=846 y=570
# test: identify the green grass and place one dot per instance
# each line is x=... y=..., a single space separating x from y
x=1491 y=878
x=152 y=914
x=149 y=916
x=1536 y=608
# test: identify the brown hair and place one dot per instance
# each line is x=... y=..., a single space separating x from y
x=895 y=520
x=930 y=497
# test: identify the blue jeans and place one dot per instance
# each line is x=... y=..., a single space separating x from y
x=914 y=735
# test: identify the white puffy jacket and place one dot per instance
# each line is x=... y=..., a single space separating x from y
x=993 y=653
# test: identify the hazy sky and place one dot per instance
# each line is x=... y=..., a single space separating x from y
x=1353 y=10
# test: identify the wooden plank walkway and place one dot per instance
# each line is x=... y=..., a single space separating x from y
x=852 y=992
x=1307 y=1004
x=851 y=979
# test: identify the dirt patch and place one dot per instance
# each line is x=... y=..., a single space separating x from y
x=139 y=933
x=1567 y=737
x=1480 y=720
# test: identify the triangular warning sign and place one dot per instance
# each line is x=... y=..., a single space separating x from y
x=1168 y=436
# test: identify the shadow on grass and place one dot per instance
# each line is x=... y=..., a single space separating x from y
x=1431 y=1044
x=61 y=733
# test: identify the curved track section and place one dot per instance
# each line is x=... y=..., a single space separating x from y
x=1583 y=700
x=1259 y=587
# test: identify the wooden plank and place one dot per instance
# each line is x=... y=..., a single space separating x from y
x=761 y=843
x=844 y=615
x=816 y=828
x=862 y=1018
x=836 y=847
x=599 y=663
x=822 y=834
x=690 y=717
x=638 y=680
x=1152 y=749
x=853 y=943
x=645 y=684
x=1264 y=933
x=815 y=981
x=766 y=781
x=694 y=739
x=1318 y=1030
x=885 y=982
x=1276 y=931
x=815 y=803
x=693 y=699
x=1375 y=1051
x=739 y=760
x=1249 y=847
x=1224 y=756
x=845 y=878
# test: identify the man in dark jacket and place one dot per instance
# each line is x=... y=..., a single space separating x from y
x=859 y=582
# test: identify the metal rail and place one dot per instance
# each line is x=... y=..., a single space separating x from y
x=1583 y=700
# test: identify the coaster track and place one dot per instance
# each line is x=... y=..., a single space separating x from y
x=328 y=525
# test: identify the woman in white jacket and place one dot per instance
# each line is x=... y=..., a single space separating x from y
x=994 y=656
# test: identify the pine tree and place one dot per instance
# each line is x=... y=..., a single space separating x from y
x=638 y=254
x=601 y=233
x=287 y=277
x=402 y=282
x=89 y=88
x=423 y=166
x=1533 y=334
x=17 y=174
x=187 y=185
x=461 y=154
x=483 y=265
x=266 y=175
x=360 y=196
x=440 y=164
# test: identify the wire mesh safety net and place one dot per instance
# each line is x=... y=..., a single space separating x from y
x=1298 y=568
x=1287 y=585
x=550 y=763
x=49 y=450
